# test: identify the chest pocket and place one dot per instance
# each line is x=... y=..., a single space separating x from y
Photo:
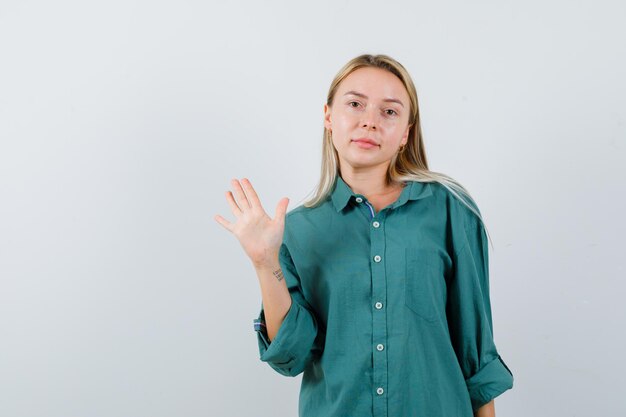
x=422 y=279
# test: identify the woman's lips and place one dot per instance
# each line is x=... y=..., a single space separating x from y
x=363 y=144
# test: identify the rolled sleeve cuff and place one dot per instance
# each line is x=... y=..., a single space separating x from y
x=277 y=351
x=492 y=380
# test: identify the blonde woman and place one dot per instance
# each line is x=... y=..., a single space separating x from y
x=377 y=288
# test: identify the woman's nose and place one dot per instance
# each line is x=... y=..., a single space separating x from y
x=369 y=119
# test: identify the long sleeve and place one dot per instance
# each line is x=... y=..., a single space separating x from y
x=470 y=322
x=298 y=339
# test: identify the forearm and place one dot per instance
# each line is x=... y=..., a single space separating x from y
x=275 y=294
x=487 y=410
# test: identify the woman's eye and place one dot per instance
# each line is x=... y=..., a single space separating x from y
x=390 y=112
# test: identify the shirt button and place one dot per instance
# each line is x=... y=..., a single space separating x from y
x=377 y=258
x=380 y=347
x=379 y=305
x=380 y=391
x=359 y=200
x=376 y=224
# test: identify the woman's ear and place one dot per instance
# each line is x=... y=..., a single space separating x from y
x=327 y=121
x=406 y=132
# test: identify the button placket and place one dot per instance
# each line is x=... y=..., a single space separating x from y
x=371 y=208
x=379 y=319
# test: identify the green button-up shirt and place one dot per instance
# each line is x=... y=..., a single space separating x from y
x=390 y=313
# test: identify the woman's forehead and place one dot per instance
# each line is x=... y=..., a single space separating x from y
x=373 y=83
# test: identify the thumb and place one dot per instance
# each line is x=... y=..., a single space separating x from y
x=281 y=209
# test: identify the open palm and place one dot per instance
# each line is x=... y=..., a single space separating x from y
x=259 y=235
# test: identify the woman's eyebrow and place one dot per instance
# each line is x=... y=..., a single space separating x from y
x=356 y=93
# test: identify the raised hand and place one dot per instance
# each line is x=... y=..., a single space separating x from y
x=259 y=235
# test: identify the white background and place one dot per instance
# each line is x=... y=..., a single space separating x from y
x=122 y=123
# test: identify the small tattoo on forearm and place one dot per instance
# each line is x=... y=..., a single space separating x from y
x=279 y=274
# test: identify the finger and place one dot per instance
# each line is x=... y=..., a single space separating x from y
x=233 y=204
x=223 y=222
x=252 y=195
x=242 y=200
x=281 y=209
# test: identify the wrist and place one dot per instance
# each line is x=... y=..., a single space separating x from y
x=266 y=265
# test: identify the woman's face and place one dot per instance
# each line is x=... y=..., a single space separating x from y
x=373 y=104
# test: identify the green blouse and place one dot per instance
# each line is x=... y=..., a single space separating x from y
x=390 y=311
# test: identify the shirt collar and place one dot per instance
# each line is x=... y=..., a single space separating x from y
x=342 y=193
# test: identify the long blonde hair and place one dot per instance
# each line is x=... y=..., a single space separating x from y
x=408 y=165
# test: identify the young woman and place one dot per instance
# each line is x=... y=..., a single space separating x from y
x=378 y=287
